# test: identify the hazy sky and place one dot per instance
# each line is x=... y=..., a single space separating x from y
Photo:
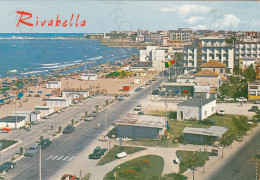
x=105 y=16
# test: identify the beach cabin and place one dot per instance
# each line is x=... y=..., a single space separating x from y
x=82 y=94
x=44 y=110
x=12 y=122
x=35 y=115
x=26 y=114
x=138 y=80
x=53 y=84
x=89 y=77
x=58 y=102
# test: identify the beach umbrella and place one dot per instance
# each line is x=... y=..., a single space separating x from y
x=48 y=95
x=31 y=91
x=39 y=92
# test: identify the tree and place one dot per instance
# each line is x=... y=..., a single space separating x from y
x=107 y=102
x=60 y=129
x=225 y=89
x=249 y=73
x=116 y=96
x=21 y=150
x=72 y=122
x=97 y=106
x=41 y=137
x=86 y=113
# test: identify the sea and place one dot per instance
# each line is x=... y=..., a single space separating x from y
x=41 y=54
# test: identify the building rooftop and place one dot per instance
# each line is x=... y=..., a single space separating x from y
x=214 y=64
x=211 y=131
x=142 y=121
x=83 y=74
x=206 y=73
x=178 y=84
x=212 y=38
x=12 y=119
x=21 y=112
x=56 y=98
x=42 y=107
x=196 y=102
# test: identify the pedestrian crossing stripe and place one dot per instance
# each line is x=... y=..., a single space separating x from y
x=60 y=158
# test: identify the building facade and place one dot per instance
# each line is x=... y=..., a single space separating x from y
x=253 y=90
x=196 y=108
x=53 y=84
x=183 y=34
x=205 y=49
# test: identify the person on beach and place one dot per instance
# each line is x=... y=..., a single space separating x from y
x=98 y=124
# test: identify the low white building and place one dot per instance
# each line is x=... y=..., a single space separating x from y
x=138 y=80
x=81 y=94
x=185 y=79
x=12 y=122
x=35 y=115
x=196 y=108
x=89 y=77
x=58 y=102
x=26 y=114
x=53 y=84
x=44 y=110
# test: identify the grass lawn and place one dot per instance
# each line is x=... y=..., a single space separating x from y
x=141 y=168
x=173 y=176
x=191 y=158
x=6 y=143
x=111 y=155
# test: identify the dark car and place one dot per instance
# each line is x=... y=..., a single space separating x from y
x=214 y=152
x=140 y=113
x=45 y=143
x=69 y=129
x=155 y=92
x=7 y=166
x=253 y=109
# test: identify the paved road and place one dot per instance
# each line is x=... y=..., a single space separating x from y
x=27 y=138
x=66 y=147
x=239 y=167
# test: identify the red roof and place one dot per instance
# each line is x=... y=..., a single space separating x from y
x=214 y=63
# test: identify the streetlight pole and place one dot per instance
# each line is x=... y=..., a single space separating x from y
x=0 y=151
x=40 y=164
x=106 y=121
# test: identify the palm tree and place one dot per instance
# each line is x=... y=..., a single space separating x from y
x=97 y=106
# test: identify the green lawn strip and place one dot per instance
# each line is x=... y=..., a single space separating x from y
x=191 y=159
x=6 y=143
x=111 y=155
x=173 y=176
x=141 y=168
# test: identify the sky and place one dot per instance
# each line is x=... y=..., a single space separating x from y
x=105 y=16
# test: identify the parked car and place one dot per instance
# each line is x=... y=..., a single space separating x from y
x=35 y=122
x=257 y=102
x=214 y=152
x=93 y=114
x=138 y=89
x=241 y=99
x=69 y=129
x=138 y=107
x=45 y=143
x=148 y=83
x=122 y=97
x=140 y=113
x=228 y=99
x=155 y=92
x=7 y=166
x=253 y=109
x=32 y=150
x=89 y=118
x=69 y=177
x=222 y=112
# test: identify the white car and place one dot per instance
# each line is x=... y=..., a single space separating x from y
x=228 y=99
x=241 y=99
x=222 y=112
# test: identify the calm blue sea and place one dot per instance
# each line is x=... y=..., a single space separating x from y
x=41 y=56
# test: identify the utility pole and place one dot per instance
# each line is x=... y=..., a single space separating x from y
x=40 y=164
x=15 y=115
x=106 y=121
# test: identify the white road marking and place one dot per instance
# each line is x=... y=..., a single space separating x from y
x=60 y=158
x=49 y=157
x=70 y=158
x=65 y=158
x=55 y=157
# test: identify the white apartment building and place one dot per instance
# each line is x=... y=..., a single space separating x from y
x=206 y=49
x=247 y=49
x=155 y=55
x=183 y=34
x=53 y=84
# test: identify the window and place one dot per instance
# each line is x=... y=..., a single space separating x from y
x=205 y=113
x=252 y=93
x=212 y=109
x=221 y=70
x=213 y=69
